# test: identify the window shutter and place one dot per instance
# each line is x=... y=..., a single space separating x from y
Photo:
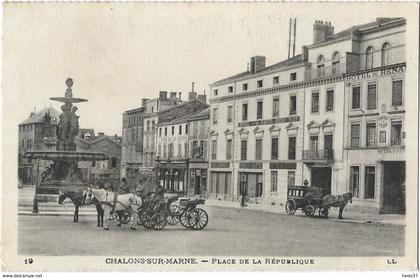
x=397 y=92
x=371 y=96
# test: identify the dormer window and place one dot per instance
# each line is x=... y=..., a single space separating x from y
x=369 y=57
x=336 y=63
x=320 y=66
x=385 y=54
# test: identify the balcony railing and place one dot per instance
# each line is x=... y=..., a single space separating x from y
x=318 y=155
x=327 y=71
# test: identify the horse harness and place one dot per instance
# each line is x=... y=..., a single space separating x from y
x=115 y=201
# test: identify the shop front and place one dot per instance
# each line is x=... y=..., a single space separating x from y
x=198 y=179
x=173 y=177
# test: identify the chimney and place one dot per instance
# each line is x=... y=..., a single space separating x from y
x=257 y=64
x=143 y=101
x=322 y=31
x=163 y=95
x=192 y=96
x=202 y=98
x=172 y=95
x=101 y=134
x=179 y=95
x=304 y=53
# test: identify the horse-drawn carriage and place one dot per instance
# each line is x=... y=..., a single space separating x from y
x=312 y=199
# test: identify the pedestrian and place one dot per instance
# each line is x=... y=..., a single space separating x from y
x=243 y=195
x=123 y=188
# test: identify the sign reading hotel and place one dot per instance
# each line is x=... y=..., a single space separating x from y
x=270 y=122
x=381 y=72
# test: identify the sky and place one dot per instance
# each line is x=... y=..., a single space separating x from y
x=120 y=53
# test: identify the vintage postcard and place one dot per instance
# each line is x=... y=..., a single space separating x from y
x=209 y=136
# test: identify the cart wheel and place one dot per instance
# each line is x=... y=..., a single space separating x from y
x=309 y=210
x=323 y=212
x=158 y=221
x=145 y=219
x=185 y=218
x=172 y=219
x=290 y=207
x=125 y=219
x=114 y=216
x=199 y=219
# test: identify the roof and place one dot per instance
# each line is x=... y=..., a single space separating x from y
x=347 y=32
x=94 y=140
x=288 y=62
x=200 y=114
x=38 y=117
x=91 y=131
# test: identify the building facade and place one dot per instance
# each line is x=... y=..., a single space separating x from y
x=36 y=133
x=293 y=121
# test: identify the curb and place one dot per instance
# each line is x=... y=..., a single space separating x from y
x=54 y=213
x=372 y=222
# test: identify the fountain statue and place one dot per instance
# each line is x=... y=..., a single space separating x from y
x=64 y=172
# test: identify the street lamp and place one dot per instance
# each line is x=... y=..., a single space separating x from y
x=35 y=202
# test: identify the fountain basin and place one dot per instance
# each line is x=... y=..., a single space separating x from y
x=66 y=155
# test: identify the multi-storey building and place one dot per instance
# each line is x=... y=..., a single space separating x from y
x=36 y=133
x=174 y=149
x=316 y=117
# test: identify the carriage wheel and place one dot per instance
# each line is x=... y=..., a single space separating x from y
x=185 y=218
x=139 y=218
x=323 y=212
x=125 y=219
x=145 y=219
x=114 y=216
x=309 y=210
x=199 y=219
x=158 y=221
x=290 y=207
x=172 y=218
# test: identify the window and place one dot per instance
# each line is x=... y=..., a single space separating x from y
x=259 y=109
x=315 y=102
x=173 y=130
x=275 y=80
x=229 y=149
x=385 y=54
x=320 y=66
x=213 y=149
x=148 y=126
x=396 y=132
x=290 y=178
x=314 y=145
x=229 y=114
x=397 y=92
x=370 y=182
x=230 y=89
x=160 y=132
x=292 y=148
x=369 y=57
x=243 y=149
x=274 y=148
x=355 y=135
x=329 y=106
x=203 y=147
x=293 y=76
x=170 y=150
x=371 y=101
x=186 y=149
x=186 y=129
x=258 y=149
x=371 y=135
x=215 y=92
x=114 y=162
x=259 y=84
x=354 y=181
x=166 y=131
x=244 y=111
x=292 y=105
x=214 y=115
x=245 y=87
x=159 y=150
x=276 y=107
x=273 y=181
x=164 y=150
x=180 y=129
x=179 y=150
x=355 y=101
x=336 y=63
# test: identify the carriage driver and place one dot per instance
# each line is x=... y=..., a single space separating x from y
x=124 y=188
x=140 y=191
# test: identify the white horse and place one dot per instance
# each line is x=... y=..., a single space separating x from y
x=110 y=203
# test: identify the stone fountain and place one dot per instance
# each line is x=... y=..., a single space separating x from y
x=63 y=173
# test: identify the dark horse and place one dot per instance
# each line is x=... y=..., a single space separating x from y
x=339 y=201
x=78 y=200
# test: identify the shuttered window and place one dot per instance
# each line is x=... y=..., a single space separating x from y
x=371 y=101
x=355 y=103
x=274 y=148
x=259 y=110
x=258 y=149
x=292 y=148
x=273 y=181
x=397 y=92
x=244 y=111
x=213 y=149
x=243 y=149
x=229 y=149
x=229 y=114
x=355 y=135
x=330 y=101
x=371 y=135
x=315 y=102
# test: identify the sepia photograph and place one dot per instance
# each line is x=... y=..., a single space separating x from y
x=210 y=136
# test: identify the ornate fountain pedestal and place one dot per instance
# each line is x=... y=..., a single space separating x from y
x=64 y=172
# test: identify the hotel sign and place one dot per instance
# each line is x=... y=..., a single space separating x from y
x=282 y=165
x=270 y=122
x=372 y=74
x=220 y=164
x=250 y=165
